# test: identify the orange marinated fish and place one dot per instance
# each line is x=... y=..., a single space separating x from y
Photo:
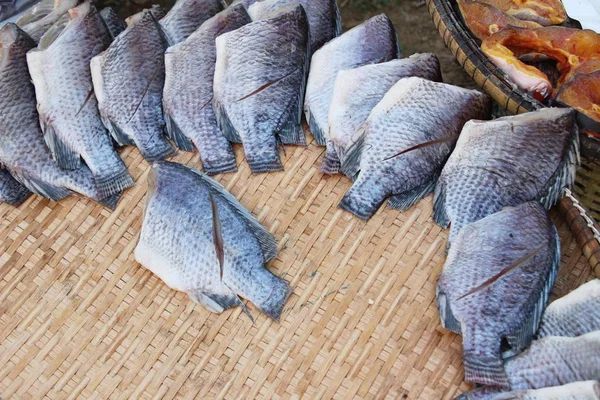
x=484 y=20
x=544 y=12
x=571 y=48
x=583 y=94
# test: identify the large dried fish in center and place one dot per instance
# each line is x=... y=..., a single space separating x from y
x=506 y=162
x=323 y=17
x=357 y=91
x=200 y=240
x=404 y=143
x=574 y=314
x=60 y=70
x=128 y=79
x=372 y=42
x=188 y=93
x=259 y=84
x=495 y=285
x=186 y=16
x=22 y=148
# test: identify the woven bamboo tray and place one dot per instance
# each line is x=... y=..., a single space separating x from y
x=79 y=318
x=585 y=217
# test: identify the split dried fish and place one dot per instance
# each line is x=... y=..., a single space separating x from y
x=188 y=15
x=37 y=23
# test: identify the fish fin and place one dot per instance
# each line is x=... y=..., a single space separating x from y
x=217 y=234
x=113 y=184
x=404 y=201
x=351 y=161
x=12 y=191
x=64 y=155
x=44 y=189
x=337 y=22
x=111 y=201
x=216 y=303
x=447 y=318
x=267 y=242
x=482 y=359
x=440 y=216
x=331 y=162
x=262 y=165
x=117 y=134
x=564 y=175
x=361 y=202
x=225 y=123
x=315 y=129
x=523 y=337
x=160 y=150
x=177 y=135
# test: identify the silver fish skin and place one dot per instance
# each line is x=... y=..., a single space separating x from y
x=68 y=108
x=587 y=390
x=23 y=150
x=324 y=17
x=260 y=77
x=372 y=42
x=35 y=12
x=128 y=81
x=36 y=29
x=11 y=191
x=177 y=243
x=357 y=91
x=505 y=162
x=14 y=9
x=495 y=285
x=113 y=22
x=188 y=92
x=245 y=3
x=575 y=314
x=188 y=15
x=390 y=153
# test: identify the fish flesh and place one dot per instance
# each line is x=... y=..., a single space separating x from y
x=68 y=110
x=260 y=77
x=23 y=150
x=11 y=191
x=357 y=91
x=587 y=390
x=372 y=42
x=401 y=148
x=506 y=162
x=495 y=286
x=188 y=92
x=36 y=29
x=484 y=20
x=114 y=23
x=200 y=240
x=575 y=314
x=128 y=81
x=582 y=93
x=186 y=16
x=324 y=17
x=570 y=48
x=544 y=12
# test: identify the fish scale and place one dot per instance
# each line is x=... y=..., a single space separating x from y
x=11 y=191
x=188 y=15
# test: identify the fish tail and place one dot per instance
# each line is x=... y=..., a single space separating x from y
x=263 y=160
x=223 y=166
x=482 y=359
x=272 y=305
x=158 y=150
x=112 y=182
x=331 y=163
x=111 y=201
x=363 y=199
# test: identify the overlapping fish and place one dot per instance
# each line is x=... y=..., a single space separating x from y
x=495 y=285
x=587 y=390
x=404 y=143
x=114 y=23
x=259 y=83
x=11 y=191
x=506 y=162
x=323 y=16
x=357 y=91
x=128 y=80
x=22 y=148
x=186 y=16
x=200 y=240
x=583 y=93
x=68 y=108
x=575 y=314
x=45 y=14
x=372 y=42
x=188 y=93
x=544 y=12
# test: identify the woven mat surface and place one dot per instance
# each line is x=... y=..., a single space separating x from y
x=79 y=318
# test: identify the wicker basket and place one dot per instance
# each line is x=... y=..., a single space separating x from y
x=466 y=49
